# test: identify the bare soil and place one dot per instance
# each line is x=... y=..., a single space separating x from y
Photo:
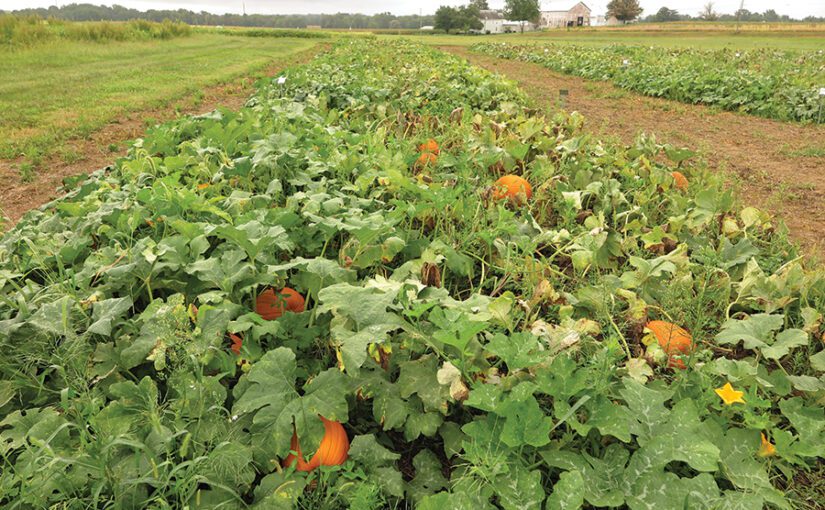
x=105 y=145
x=777 y=166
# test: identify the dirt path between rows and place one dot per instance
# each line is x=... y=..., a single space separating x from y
x=110 y=142
x=778 y=166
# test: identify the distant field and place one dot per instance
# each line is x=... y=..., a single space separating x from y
x=788 y=37
x=56 y=91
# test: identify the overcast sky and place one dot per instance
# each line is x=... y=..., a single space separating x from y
x=794 y=8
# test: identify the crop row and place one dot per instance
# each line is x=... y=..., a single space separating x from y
x=770 y=83
x=324 y=300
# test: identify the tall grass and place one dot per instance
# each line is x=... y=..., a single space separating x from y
x=25 y=31
x=276 y=32
x=22 y=30
x=103 y=31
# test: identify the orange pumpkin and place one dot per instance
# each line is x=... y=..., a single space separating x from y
x=270 y=304
x=237 y=343
x=426 y=158
x=511 y=186
x=673 y=339
x=429 y=146
x=331 y=452
x=680 y=180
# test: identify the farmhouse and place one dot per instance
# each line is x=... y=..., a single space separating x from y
x=495 y=23
x=577 y=15
x=602 y=20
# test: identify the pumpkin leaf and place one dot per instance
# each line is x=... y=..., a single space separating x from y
x=757 y=332
x=269 y=393
x=567 y=492
x=428 y=478
x=106 y=312
x=520 y=489
x=379 y=461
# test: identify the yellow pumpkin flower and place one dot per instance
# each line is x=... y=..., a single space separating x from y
x=729 y=395
x=766 y=449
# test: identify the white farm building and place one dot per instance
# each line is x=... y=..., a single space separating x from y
x=495 y=23
x=576 y=15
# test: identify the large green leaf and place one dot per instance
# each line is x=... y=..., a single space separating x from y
x=757 y=332
x=567 y=492
x=270 y=393
x=520 y=490
x=647 y=406
x=379 y=462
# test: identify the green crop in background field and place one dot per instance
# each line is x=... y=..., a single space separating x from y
x=782 y=37
x=770 y=83
x=480 y=353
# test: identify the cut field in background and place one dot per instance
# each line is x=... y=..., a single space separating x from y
x=57 y=91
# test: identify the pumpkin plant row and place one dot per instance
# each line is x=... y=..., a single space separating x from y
x=524 y=318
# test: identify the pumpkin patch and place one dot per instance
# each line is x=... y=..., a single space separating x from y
x=485 y=355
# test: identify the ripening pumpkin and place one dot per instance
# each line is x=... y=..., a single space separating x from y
x=331 y=452
x=673 y=339
x=680 y=180
x=426 y=158
x=429 y=146
x=511 y=186
x=237 y=343
x=270 y=304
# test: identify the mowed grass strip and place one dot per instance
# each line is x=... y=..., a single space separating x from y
x=55 y=92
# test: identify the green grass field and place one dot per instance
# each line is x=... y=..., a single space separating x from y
x=57 y=91
x=786 y=40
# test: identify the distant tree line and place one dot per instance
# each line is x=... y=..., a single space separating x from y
x=447 y=18
x=627 y=10
x=708 y=13
x=89 y=12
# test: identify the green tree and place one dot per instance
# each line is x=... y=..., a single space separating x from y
x=446 y=18
x=771 y=15
x=469 y=17
x=664 y=14
x=624 y=10
x=482 y=5
x=522 y=10
x=708 y=13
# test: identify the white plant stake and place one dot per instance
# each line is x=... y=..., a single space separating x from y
x=281 y=80
x=625 y=62
x=821 y=100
